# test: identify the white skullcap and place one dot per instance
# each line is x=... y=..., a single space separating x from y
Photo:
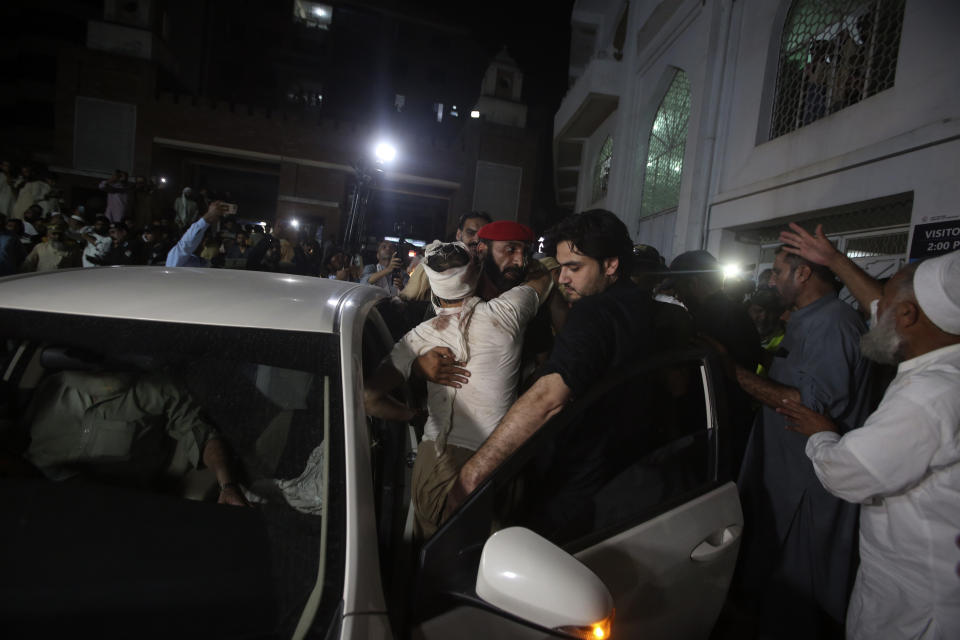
x=937 y=287
x=454 y=283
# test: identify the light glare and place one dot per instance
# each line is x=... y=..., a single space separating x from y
x=474 y=114
x=731 y=270
x=385 y=152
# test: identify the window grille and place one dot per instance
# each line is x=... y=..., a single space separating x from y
x=601 y=170
x=891 y=244
x=668 y=139
x=834 y=53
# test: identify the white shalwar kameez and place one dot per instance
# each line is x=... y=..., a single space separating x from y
x=903 y=467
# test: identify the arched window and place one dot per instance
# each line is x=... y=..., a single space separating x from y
x=668 y=139
x=601 y=170
x=834 y=53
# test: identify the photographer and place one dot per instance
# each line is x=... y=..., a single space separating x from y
x=387 y=273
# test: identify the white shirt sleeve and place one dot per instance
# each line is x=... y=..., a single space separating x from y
x=405 y=351
x=515 y=308
x=890 y=453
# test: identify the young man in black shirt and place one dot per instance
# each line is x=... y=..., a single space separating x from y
x=610 y=324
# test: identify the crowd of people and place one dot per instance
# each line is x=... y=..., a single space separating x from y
x=127 y=225
x=849 y=473
x=851 y=502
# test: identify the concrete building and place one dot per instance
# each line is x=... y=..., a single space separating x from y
x=711 y=124
x=278 y=102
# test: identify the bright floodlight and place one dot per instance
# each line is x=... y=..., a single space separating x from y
x=163 y=181
x=474 y=114
x=294 y=223
x=731 y=270
x=386 y=152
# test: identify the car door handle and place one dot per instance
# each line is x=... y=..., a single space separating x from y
x=716 y=543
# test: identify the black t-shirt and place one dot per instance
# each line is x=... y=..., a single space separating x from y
x=603 y=332
x=729 y=324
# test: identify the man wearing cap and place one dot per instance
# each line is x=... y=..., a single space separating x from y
x=903 y=466
x=98 y=242
x=483 y=335
x=698 y=279
x=56 y=253
x=121 y=251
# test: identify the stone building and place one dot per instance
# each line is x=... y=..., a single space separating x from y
x=710 y=124
x=278 y=103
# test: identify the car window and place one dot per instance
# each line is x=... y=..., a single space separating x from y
x=639 y=442
x=635 y=449
x=116 y=414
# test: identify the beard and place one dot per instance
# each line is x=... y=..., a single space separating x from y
x=882 y=343
x=505 y=279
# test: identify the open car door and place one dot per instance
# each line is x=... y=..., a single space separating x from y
x=633 y=480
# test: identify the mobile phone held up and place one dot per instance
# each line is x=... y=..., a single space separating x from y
x=228 y=208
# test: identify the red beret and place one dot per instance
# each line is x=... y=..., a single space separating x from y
x=505 y=230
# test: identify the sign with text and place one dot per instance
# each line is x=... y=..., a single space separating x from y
x=935 y=239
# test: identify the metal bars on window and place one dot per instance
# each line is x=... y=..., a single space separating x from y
x=668 y=139
x=834 y=53
x=601 y=170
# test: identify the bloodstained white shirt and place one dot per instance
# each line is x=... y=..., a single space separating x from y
x=487 y=336
x=903 y=467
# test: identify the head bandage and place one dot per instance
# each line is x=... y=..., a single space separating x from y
x=453 y=283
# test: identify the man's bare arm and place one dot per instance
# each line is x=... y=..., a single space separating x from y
x=541 y=402
x=215 y=457
x=538 y=277
x=765 y=390
x=377 y=399
x=817 y=249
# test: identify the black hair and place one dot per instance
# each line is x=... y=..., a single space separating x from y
x=597 y=234
x=450 y=256
x=820 y=271
x=473 y=214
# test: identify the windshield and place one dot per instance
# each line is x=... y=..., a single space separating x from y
x=128 y=434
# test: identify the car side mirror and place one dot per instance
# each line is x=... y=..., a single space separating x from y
x=526 y=575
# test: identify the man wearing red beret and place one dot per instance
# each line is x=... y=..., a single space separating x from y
x=503 y=250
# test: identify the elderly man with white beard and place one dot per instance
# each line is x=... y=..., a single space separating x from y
x=903 y=465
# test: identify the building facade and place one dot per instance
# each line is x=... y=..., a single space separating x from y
x=278 y=103
x=711 y=124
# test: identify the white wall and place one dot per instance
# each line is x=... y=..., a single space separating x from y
x=591 y=150
x=904 y=139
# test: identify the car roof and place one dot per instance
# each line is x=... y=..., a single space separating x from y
x=228 y=297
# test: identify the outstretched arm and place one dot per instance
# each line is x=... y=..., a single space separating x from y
x=817 y=249
x=216 y=459
x=377 y=399
x=531 y=411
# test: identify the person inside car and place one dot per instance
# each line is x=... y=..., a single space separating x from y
x=122 y=428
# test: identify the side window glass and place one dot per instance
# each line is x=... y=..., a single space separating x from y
x=635 y=451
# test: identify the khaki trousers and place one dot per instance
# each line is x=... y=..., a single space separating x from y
x=433 y=477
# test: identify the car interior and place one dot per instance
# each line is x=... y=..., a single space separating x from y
x=162 y=557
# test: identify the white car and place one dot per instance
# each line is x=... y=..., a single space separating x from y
x=277 y=363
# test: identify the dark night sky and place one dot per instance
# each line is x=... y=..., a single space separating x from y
x=537 y=34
